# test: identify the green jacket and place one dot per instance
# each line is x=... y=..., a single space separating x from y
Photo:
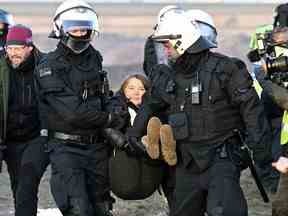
x=4 y=88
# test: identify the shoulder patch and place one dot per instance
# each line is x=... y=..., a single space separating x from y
x=46 y=71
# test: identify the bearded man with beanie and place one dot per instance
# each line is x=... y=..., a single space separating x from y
x=22 y=146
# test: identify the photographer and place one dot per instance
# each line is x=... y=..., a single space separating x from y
x=258 y=45
x=272 y=75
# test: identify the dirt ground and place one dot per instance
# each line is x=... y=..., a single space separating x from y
x=122 y=42
x=153 y=206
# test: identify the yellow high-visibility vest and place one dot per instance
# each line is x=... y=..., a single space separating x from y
x=284 y=129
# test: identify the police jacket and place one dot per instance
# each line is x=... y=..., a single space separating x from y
x=70 y=91
x=19 y=105
x=227 y=101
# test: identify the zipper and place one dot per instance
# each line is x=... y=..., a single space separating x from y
x=85 y=91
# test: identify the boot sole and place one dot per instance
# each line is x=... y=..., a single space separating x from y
x=168 y=145
x=153 y=135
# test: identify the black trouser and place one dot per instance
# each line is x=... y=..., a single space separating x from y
x=168 y=183
x=26 y=162
x=80 y=178
x=216 y=191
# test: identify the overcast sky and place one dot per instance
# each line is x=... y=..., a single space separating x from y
x=162 y=1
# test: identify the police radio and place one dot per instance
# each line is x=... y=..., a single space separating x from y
x=196 y=89
x=106 y=92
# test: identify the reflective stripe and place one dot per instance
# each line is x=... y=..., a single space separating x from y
x=257 y=87
x=284 y=129
x=259 y=29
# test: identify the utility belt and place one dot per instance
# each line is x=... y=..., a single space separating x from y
x=221 y=151
x=78 y=139
x=231 y=148
x=227 y=144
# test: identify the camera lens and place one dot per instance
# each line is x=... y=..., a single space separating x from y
x=279 y=64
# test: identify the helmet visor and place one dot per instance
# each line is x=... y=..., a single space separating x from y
x=208 y=32
x=200 y=45
x=71 y=25
x=6 y=18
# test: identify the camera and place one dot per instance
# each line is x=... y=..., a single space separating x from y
x=272 y=48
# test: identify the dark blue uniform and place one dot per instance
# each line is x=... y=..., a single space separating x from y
x=73 y=111
x=211 y=97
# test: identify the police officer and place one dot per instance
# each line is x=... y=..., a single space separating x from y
x=73 y=107
x=280 y=97
x=278 y=93
x=24 y=147
x=209 y=89
x=155 y=56
x=6 y=20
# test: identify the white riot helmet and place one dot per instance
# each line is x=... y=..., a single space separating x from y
x=206 y=24
x=7 y=19
x=183 y=34
x=166 y=11
x=75 y=15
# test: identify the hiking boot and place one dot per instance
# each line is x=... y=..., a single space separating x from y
x=168 y=145
x=153 y=137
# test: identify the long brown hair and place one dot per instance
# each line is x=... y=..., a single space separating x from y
x=143 y=79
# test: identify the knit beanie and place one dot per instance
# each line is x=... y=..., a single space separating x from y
x=19 y=35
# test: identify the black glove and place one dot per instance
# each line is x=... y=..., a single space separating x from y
x=115 y=138
x=115 y=121
x=135 y=147
x=129 y=144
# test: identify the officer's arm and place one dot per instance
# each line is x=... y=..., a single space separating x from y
x=70 y=107
x=276 y=92
x=157 y=100
x=150 y=58
x=78 y=113
x=140 y=122
x=251 y=109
